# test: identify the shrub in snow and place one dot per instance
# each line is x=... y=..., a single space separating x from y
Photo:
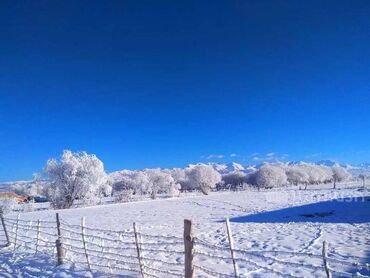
x=76 y=176
x=270 y=175
x=124 y=196
x=203 y=177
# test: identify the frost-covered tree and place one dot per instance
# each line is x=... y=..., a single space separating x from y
x=317 y=174
x=271 y=175
x=203 y=177
x=339 y=174
x=75 y=176
x=160 y=181
x=180 y=177
x=146 y=182
x=234 y=179
x=122 y=180
x=140 y=183
x=297 y=175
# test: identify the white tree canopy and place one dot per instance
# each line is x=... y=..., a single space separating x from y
x=76 y=176
x=271 y=175
x=203 y=177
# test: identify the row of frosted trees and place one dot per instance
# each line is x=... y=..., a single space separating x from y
x=81 y=177
x=279 y=174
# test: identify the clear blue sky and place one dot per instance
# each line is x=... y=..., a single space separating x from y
x=166 y=83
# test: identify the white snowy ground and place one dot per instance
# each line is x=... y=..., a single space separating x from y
x=279 y=233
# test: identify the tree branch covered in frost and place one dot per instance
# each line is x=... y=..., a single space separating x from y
x=76 y=176
x=203 y=177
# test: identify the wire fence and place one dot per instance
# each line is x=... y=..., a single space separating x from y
x=135 y=253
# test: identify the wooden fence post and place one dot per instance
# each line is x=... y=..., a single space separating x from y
x=138 y=250
x=4 y=228
x=231 y=243
x=188 y=244
x=324 y=257
x=84 y=242
x=58 y=243
x=16 y=234
x=37 y=236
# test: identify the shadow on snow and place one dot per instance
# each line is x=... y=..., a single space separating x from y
x=345 y=210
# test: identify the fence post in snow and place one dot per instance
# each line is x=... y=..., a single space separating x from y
x=189 y=245
x=58 y=243
x=84 y=242
x=138 y=250
x=231 y=244
x=16 y=234
x=325 y=260
x=4 y=228
x=37 y=236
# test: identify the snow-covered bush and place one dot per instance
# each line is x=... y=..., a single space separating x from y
x=271 y=175
x=124 y=196
x=203 y=177
x=76 y=176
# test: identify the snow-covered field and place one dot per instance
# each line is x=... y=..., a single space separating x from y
x=278 y=233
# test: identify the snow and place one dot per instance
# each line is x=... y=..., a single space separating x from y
x=281 y=226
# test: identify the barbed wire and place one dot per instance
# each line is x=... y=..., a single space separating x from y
x=22 y=234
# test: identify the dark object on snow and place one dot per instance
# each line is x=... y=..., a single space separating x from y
x=40 y=199
x=318 y=214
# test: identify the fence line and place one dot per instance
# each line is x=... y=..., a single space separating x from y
x=132 y=251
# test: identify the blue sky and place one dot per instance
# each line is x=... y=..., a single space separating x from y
x=166 y=83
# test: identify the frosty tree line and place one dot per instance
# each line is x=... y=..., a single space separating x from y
x=81 y=176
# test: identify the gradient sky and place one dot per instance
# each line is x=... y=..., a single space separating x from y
x=166 y=83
